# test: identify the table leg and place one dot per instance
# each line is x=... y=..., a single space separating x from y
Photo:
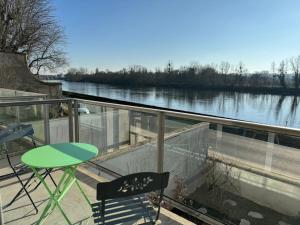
x=53 y=199
x=78 y=185
x=65 y=183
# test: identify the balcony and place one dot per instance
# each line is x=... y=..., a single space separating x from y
x=223 y=171
x=22 y=212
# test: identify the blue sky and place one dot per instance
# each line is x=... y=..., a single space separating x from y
x=112 y=34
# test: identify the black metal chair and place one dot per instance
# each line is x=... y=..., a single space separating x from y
x=124 y=199
x=13 y=132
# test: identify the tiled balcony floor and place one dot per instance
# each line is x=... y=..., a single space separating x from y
x=21 y=211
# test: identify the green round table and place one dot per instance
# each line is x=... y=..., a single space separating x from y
x=66 y=156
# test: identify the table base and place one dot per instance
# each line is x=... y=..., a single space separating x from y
x=67 y=180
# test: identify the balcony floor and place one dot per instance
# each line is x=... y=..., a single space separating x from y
x=78 y=211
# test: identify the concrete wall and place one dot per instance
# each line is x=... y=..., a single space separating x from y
x=14 y=74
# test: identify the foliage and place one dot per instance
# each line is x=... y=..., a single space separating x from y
x=213 y=77
x=191 y=76
x=27 y=26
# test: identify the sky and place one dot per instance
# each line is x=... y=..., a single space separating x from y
x=113 y=34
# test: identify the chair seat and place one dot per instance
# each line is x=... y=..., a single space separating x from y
x=124 y=210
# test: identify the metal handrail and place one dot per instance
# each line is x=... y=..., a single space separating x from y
x=12 y=98
x=35 y=102
x=119 y=106
x=204 y=118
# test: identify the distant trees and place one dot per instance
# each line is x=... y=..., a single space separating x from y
x=80 y=71
x=224 y=67
x=273 y=69
x=241 y=69
x=169 y=68
x=282 y=72
x=137 y=69
x=195 y=75
x=28 y=26
x=295 y=66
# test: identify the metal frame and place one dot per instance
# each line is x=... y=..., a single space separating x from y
x=160 y=142
x=76 y=121
x=71 y=122
x=46 y=123
x=23 y=98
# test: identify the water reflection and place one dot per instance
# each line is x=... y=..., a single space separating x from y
x=261 y=108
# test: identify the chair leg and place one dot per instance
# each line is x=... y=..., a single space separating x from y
x=20 y=181
x=48 y=172
x=33 y=141
x=20 y=191
x=159 y=202
x=53 y=181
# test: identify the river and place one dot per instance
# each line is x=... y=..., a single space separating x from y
x=261 y=108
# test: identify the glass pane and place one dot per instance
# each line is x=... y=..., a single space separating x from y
x=21 y=125
x=59 y=123
x=126 y=139
x=235 y=174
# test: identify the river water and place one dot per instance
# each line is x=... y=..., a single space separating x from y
x=261 y=108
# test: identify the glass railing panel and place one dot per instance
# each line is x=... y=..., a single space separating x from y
x=19 y=120
x=126 y=139
x=185 y=152
x=34 y=115
x=233 y=174
x=59 y=122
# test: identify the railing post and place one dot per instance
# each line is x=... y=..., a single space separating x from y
x=219 y=137
x=71 y=121
x=46 y=123
x=116 y=129
x=18 y=114
x=160 y=142
x=76 y=121
x=269 y=151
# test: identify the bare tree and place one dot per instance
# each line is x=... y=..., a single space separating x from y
x=273 y=72
x=241 y=69
x=27 y=26
x=273 y=68
x=295 y=66
x=169 y=67
x=224 y=67
x=282 y=72
x=72 y=71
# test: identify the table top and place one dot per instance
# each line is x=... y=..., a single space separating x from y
x=59 y=155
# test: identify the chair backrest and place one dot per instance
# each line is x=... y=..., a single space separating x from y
x=133 y=184
x=15 y=131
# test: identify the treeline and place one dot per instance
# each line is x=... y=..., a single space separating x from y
x=223 y=76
